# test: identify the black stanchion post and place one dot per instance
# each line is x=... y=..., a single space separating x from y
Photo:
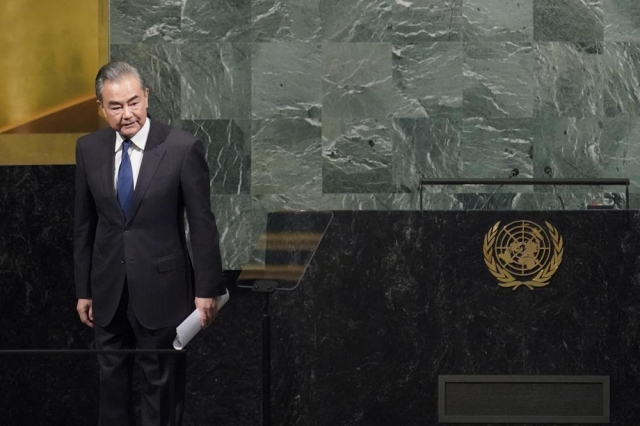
x=266 y=361
x=171 y=361
x=266 y=288
x=286 y=247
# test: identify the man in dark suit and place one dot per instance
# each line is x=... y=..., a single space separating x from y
x=135 y=280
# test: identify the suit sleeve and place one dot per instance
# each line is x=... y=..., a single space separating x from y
x=84 y=229
x=205 y=241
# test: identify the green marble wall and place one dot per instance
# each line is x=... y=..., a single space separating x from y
x=343 y=104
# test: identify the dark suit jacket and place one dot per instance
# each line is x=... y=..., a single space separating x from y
x=150 y=247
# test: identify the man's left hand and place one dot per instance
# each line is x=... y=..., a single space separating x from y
x=208 y=310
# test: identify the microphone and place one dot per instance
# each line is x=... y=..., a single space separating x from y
x=513 y=173
x=549 y=172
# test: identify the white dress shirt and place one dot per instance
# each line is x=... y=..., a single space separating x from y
x=136 y=151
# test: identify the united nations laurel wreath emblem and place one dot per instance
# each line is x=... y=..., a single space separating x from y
x=523 y=253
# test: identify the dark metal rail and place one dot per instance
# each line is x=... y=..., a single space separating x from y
x=529 y=181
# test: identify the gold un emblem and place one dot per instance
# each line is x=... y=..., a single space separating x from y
x=523 y=253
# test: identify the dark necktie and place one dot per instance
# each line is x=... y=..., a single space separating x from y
x=125 y=180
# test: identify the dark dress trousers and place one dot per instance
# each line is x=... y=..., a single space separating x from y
x=137 y=270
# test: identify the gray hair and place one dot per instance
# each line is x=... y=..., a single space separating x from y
x=114 y=71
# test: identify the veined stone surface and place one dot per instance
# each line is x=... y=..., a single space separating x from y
x=285 y=20
x=285 y=80
x=356 y=80
x=497 y=20
x=286 y=157
x=357 y=156
x=426 y=20
x=621 y=20
x=219 y=20
x=497 y=79
x=427 y=78
x=228 y=152
x=356 y=20
x=568 y=20
x=621 y=75
x=215 y=80
x=568 y=79
x=144 y=21
x=288 y=94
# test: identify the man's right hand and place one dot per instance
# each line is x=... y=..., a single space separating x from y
x=85 y=310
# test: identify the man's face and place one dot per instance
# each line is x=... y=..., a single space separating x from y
x=124 y=104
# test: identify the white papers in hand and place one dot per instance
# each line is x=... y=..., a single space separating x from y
x=191 y=326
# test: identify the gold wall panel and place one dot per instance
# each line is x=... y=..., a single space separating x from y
x=47 y=75
x=32 y=149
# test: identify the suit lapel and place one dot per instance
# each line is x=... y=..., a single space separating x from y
x=108 y=167
x=153 y=154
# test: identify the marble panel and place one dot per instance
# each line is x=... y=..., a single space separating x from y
x=215 y=80
x=355 y=21
x=144 y=21
x=427 y=78
x=621 y=76
x=568 y=20
x=228 y=152
x=285 y=202
x=356 y=80
x=159 y=65
x=285 y=80
x=267 y=203
x=634 y=201
x=570 y=148
x=239 y=227
x=357 y=156
x=621 y=20
x=568 y=80
x=493 y=148
x=211 y=21
x=497 y=79
x=425 y=147
x=497 y=20
x=620 y=150
x=371 y=201
x=286 y=156
x=285 y=20
x=426 y=20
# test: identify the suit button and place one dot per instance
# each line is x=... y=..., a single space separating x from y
x=122 y=261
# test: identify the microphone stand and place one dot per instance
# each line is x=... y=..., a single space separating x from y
x=549 y=172
x=513 y=173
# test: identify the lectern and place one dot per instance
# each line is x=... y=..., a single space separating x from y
x=428 y=317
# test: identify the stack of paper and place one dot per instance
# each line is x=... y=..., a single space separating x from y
x=191 y=326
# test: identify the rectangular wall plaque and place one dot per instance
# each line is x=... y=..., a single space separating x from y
x=523 y=399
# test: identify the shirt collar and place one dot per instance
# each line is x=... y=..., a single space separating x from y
x=139 y=139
